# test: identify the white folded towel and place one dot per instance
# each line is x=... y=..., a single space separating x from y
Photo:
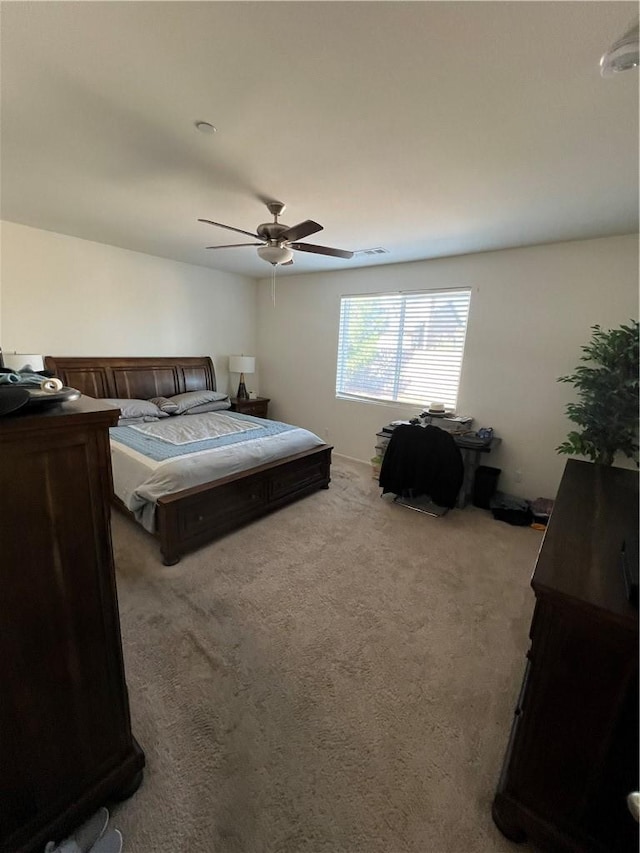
x=51 y=385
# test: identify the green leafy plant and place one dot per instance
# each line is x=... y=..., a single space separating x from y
x=607 y=385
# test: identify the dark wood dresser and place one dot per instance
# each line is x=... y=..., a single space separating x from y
x=572 y=756
x=65 y=735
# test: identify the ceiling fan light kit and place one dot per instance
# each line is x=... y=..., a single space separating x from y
x=623 y=55
x=205 y=127
x=279 y=241
x=276 y=254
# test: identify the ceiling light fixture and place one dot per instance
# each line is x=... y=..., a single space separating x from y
x=623 y=53
x=205 y=127
x=275 y=254
x=279 y=240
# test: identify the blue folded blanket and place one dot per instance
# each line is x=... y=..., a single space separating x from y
x=25 y=377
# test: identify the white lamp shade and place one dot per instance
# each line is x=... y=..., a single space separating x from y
x=22 y=361
x=242 y=364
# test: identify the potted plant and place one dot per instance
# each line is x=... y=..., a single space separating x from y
x=607 y=386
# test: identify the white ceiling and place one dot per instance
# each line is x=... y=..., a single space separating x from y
x=426 y=128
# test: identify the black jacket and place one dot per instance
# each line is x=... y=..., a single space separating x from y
x=423 y=461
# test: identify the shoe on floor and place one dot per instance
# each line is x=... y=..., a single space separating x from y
x=109 y=843
x=84 y=837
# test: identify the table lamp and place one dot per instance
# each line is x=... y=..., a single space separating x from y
x=242 y=364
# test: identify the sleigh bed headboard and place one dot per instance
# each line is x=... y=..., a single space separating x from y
x=133 y=378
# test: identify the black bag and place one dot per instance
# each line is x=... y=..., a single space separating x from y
x=511 y=509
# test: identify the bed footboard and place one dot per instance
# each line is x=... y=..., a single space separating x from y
x=188 y=519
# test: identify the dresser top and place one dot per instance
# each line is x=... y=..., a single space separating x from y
x=596 y=510
x=85 y=409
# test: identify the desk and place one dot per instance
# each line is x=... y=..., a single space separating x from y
x=471 y=455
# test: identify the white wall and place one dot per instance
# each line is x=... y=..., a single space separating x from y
x=65 y=296
x=531 y=311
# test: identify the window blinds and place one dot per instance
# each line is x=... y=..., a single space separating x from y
x=402 y=347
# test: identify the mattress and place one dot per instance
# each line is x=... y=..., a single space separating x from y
x=148 y=466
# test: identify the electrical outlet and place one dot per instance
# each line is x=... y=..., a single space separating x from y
x=518 y=476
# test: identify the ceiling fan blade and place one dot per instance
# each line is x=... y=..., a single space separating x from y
x=287 y=263
x=234 y=245
x=302 y=229
x=230 y=228
x=321 y=250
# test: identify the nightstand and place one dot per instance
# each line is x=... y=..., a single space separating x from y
x=256 y=407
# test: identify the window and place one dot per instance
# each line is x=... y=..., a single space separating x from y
x=402 y=347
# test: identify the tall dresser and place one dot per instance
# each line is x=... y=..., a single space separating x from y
x=572 y=756
x=66 y=745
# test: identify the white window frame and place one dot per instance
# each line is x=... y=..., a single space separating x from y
x=443 y=385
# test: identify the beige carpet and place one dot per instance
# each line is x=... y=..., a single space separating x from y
x=338 y=677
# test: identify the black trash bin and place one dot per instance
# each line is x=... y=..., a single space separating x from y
x=485 y=485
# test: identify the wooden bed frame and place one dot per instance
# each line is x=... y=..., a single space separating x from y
x=192 y=517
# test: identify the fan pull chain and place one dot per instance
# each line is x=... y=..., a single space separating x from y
x=273 y=284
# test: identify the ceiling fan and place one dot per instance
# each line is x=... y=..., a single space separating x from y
x=278 y=240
